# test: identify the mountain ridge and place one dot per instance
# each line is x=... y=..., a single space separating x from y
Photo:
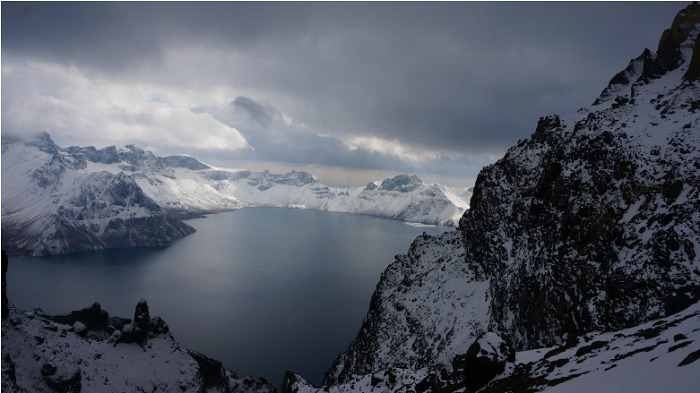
x=41 y=200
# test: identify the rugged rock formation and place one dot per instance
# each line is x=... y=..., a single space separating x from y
x=591 y=224
x=89 y=351
x=653 y=357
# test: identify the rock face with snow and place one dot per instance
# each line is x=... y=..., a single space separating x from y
x=659 y=356
x=51 y=205
x=591 y=224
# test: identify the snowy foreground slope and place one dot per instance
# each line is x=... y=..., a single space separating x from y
x=591 y=224
x=60 y=200
x=660 y=356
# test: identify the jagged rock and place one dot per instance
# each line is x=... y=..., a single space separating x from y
x=142 y=328
x=93 y=317
x=401 y=183
x=485 y=359
x=212 y=371
x=9 y=376
x=78 y=211
x=291 y=382
x=142 y=320
x=251 y=385
x=590 y=224
x=36 y=349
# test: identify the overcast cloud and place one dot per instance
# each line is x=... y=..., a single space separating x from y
x=431 y=88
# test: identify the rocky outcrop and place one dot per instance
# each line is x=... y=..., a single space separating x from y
x=89 y=351
x=62 y=377
x=591 y=224
x=485 y=359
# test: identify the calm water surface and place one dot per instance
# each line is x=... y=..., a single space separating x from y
x=263 y=290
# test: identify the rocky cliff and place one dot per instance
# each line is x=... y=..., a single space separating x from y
x=591 y=224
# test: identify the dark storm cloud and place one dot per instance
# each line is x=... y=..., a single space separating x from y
x=458 y=78
x=261 y=114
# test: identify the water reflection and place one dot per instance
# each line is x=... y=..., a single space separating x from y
x=264 y=290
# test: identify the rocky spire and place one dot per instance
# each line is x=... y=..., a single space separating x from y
x=668 y=57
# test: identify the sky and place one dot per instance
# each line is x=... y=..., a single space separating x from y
x=350 y=92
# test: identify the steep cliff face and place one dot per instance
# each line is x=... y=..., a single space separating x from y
x=593 y=223
x=51 y=205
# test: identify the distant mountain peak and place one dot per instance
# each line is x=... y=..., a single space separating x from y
x=401 y=183
x=668 y=57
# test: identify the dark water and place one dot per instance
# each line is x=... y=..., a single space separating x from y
x=263 y=290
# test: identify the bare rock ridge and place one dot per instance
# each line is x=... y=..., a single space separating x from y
x=590 y=225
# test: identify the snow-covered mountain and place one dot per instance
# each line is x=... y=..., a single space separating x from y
x=574 y=269
x=591 y=224
x=61 y=200
x=52 y=205
x=183 y=185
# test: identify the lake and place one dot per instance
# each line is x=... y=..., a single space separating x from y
x=263 y=290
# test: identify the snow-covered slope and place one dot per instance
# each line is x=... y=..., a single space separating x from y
x=52 y=205
x=592 y=224
x=660 y=356
x=182 y=184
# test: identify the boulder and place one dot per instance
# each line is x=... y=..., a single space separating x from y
x=62 y=377
x=485 y=359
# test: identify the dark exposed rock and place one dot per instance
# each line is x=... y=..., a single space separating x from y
x=290 y=379
x=143 y=326
x=252 y=385
x=401 y=183
x=692 y=357
x=93 y=317
x=9 y=376
x=213 y=372
x=485 y=359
